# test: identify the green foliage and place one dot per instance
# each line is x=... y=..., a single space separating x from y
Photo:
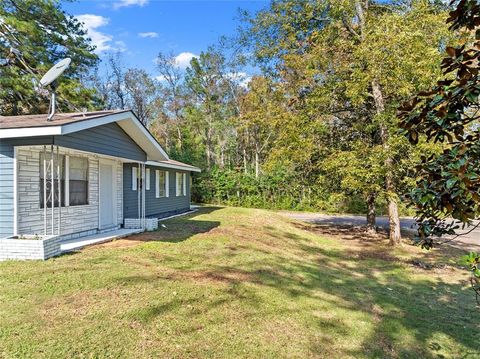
x=448 y=183
x=41 y=33
x=472 y=262
x=307 y=133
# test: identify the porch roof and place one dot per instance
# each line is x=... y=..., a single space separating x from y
x=173 y=164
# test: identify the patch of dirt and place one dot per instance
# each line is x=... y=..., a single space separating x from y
x=344 y=232
x=364 y=246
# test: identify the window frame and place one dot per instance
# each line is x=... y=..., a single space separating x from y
x=134 y=178
x=87 y=180
x=65 y=182
x=180 y=188
x=147 y=179
x=158 y=188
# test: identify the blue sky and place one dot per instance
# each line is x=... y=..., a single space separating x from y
x=141 y=28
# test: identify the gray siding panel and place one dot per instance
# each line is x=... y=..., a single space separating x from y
x=107 y=139
x=6 y=188
x=153 y=206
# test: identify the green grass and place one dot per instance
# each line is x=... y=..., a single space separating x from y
x=233 y=282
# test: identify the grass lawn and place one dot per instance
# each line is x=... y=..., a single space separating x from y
x=234 y=282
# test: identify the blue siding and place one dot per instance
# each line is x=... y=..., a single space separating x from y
x=107 y=139
x=6 y=189
x=154 y=207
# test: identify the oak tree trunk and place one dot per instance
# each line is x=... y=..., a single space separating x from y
x=371 y=216
x=394 y=220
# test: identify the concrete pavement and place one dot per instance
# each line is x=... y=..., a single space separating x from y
x=470 y=241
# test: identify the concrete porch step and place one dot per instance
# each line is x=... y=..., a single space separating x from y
x=78 y=243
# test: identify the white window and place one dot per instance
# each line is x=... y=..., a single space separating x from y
x=181 y=188
x=73 y=182
x=147 y=179
x=184 y=184
x=134 y=178
x=160 y=184
x=78 y=181
x=167 y=184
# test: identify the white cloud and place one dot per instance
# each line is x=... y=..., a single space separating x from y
x=120 y=46
x=126 y=3
x=150 y=34
x=182 y=60
x=160 y=78
x=241 y=78
x=91 y=23
x=102 y=41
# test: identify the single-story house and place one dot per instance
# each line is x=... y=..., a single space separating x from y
x=85 y=173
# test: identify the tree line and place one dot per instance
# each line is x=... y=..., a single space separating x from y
x=297 y=111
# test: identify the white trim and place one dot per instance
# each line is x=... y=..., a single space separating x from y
x=134 y=178
x=178 y=191
x=184 y=175
x=167 y=184
x=124 y=119
x=145 y=132
x=177 y=167
x=113 y=165
x=30 y=131
x=67 y=181
x=157 y=183
x=178 y=215
x=15 y=192
x=94 y=122
x=147 y=179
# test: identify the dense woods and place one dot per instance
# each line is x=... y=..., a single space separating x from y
x=298 y=111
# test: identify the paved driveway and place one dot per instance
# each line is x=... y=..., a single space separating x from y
x=470 y=241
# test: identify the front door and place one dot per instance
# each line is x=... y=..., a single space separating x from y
x=107 y=216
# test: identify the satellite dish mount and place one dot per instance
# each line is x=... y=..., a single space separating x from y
x=49 y=79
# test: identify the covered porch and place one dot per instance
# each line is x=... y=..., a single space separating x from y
x=67 y=193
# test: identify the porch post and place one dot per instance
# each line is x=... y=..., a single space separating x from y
x=138 y=192
x=52 y=188
x=45 y=190
x=59 y=167
x=143 y=195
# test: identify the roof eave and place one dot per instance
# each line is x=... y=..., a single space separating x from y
x=174 y=166
x=125 y=119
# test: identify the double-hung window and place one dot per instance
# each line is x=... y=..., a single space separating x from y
x=161 y=184
x=73 y=177
x=147 y=179
x=78 y=180
x=181 y=184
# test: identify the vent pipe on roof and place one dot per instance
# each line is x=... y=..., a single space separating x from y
x=51 y=108
x=49 y=79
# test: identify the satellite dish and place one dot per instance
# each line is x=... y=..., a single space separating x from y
x=55 y=72
x=49 y=79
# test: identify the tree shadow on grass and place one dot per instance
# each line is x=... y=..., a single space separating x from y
x=174 y=230
x=415 y=316
x=179 y=229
